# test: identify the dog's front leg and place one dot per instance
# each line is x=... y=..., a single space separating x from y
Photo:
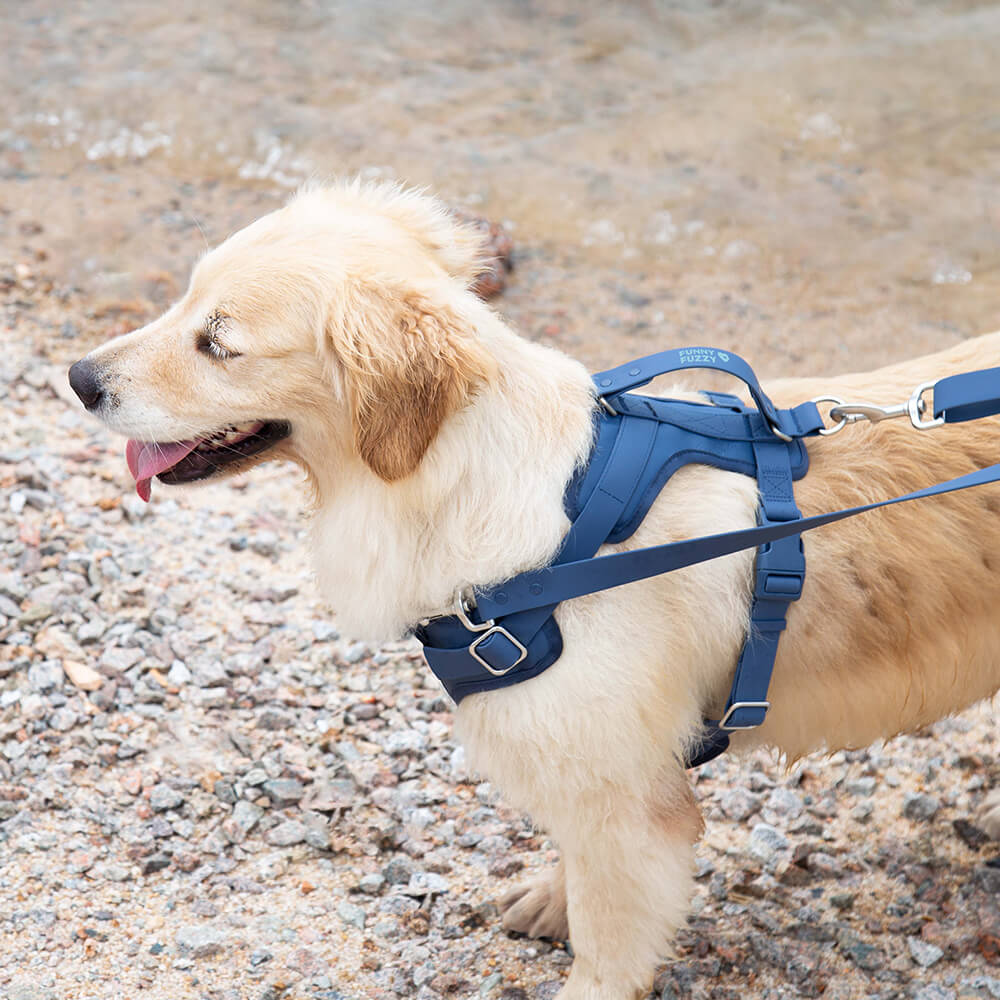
x=628 y=865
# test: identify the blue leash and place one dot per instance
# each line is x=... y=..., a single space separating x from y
x=567 y=580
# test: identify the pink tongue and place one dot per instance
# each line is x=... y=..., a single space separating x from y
x=149 y=458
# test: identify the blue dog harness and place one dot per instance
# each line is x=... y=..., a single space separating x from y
x=511 y=635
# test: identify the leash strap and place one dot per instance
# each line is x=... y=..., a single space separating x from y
x=568 y=580
x=968 y=396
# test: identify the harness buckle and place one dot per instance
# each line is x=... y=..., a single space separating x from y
x=779 y=584
x=497 y=630
x=724 y=723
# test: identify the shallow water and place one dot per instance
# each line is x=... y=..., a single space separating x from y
x=813 y=183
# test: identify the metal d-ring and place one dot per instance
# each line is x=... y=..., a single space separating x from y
x=841 y=424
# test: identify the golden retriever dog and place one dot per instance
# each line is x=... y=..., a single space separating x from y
x=340 y=332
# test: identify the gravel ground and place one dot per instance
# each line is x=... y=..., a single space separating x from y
x=207 y=792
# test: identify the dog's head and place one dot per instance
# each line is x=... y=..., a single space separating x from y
x=339 y=328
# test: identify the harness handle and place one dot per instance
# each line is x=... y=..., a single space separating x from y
x=637 y=373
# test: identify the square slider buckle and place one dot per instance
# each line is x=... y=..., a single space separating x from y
x=501 y=646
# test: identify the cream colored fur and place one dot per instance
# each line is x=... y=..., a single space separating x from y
x=353 y=299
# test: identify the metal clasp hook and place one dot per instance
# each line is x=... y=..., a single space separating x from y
x=848 y=413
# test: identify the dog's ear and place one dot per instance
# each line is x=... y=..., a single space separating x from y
x=409 y=364
x=450 y=238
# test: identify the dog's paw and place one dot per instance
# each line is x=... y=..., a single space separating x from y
x=537 y=908
x=988 y=817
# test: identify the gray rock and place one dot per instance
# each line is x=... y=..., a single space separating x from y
x=924 y=953
x=825 y=864
x=117 y=660
x=987 y=983
x=862 y=787
x=163 y=797
x=225 y=792
x=324 y=631
x=286 y=834
x=863 y=955
x=91 y=630
x=425 y=883
x=355 y=652
x=765 y=842
x=862 y=812
x=329 y=796
x=244 y=817
x=116 y=873
x=178 y=675
x=399 y=871
x=283 y=792
x=402 y=741
x=388 y=929
x=785 y=802
x=63 y=719
x=135 y=563
x=134 y=508
x=46 y=675
x=934 y=992
x=989 y=879
x=21 y=990
x=200 y=940
x=265 y=543
x=739 y=803
x=920 y=807
x=351 y=914
x=14 y=586
x=161 y=620
x=155 y=863
x=275 y=718
x=317 y=830
x=372 y=884
x=210 y=674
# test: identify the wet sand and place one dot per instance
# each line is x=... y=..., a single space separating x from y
x=811 y=183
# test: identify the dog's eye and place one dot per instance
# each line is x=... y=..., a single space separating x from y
x=207 y=342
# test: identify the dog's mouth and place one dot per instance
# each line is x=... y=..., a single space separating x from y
x=199 y=458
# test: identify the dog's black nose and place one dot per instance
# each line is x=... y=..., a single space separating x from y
x=84 y=382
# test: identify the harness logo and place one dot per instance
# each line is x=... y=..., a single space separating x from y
x=701 y=356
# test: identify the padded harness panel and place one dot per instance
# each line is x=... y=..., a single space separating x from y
x=635 y=453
